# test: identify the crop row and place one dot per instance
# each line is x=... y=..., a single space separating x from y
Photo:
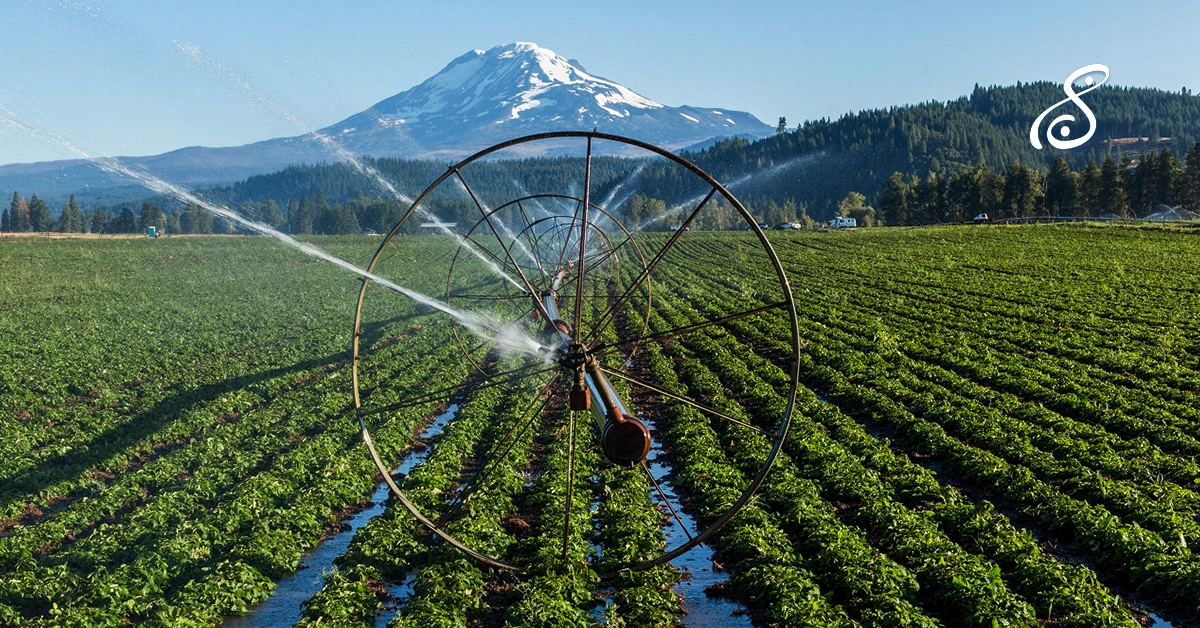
x=1142 y=556
x=860 y=469
x=243 y=494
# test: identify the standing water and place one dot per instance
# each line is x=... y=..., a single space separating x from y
x=286 y=603
x=697 y=564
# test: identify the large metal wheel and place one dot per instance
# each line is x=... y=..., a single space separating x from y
x=550 y=294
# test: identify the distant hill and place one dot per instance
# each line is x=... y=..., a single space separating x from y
x=821 y=161
x=816 y=164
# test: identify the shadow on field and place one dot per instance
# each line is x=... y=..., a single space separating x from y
x=135 y=438
x=126 y=436
x=373 y=333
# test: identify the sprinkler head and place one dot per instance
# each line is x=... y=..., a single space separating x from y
x=580 y=399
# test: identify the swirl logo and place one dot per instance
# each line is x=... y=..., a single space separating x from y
x=1065 y=131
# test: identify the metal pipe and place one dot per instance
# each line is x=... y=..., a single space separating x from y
x=624 y=438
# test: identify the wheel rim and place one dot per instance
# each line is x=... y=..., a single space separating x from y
x=588 y=327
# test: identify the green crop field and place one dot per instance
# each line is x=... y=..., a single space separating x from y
x=995 y=427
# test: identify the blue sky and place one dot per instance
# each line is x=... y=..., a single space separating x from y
x=111 y=74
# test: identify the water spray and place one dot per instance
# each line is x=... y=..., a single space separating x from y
x=506 y=337
x=363 y=168
x=738 y=182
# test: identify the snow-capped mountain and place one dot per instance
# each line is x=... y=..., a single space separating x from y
x=479 y=99
x=484 y=97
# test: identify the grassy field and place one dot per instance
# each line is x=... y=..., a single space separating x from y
x=996 y=427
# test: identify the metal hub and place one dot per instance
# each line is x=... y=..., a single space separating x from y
x=624 y=439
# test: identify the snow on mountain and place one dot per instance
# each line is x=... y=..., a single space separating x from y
x=478 y=99
x=484 y=97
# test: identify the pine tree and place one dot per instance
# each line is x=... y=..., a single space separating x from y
x=1190 y=188
x=71 y=220
x=190 y=221
x=1142 y=184
x=271 y=214
x=1062 y=190
x=781 y=128
x=1022 y=190
x=204 y=220
x=987 y=190
x=40 y=218
x=5 y=223
x=19 y=214
x=301 y=220
x=1111 y=197
x=1169 y=176
x=325 y=216
x=1089 y=190
x=931 y=200
x=151 y=216
x=125 y=222
x=99 y=222
x=344 y=222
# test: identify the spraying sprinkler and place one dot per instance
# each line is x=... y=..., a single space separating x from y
x=604 y=304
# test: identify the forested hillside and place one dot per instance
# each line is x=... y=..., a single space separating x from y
x=991 y=126
x=819 y=162
x=912 y=164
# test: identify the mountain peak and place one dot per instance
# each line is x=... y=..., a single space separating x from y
x=486 y=96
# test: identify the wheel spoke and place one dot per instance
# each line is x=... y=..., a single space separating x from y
x=506 y=442
x=701 y=407
x=663 y=496
x=534 y=252
x=609 y=316
x=496 y=234
x=571 y=280
x=562 y=256
x=583 y=229
x=486 y=251
x=480 y=342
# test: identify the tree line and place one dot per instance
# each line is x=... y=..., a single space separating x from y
x=304 y=215
x=1126 y=189
x=820 y=160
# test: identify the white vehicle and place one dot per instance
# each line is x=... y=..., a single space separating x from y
x=981 y=218
x=840 y=222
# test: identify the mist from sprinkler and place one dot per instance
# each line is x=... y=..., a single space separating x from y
x=363 y=168
x=506 y=337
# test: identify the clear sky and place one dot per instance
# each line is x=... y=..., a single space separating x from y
x=113 y=76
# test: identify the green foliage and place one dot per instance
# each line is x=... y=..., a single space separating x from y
x=154 y=477
x=40 y=218
x=854 y=206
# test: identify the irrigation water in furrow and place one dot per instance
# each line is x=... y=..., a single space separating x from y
x=284 y=606
x=703 y=611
